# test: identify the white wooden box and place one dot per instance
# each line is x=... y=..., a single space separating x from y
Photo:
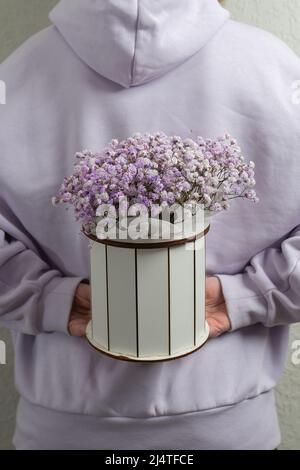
x=148 y=299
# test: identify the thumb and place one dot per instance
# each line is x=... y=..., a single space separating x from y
x=83 y=296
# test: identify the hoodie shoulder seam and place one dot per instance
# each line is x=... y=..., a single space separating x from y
x=135 y=41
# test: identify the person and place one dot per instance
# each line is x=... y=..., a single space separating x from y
x=105 y=70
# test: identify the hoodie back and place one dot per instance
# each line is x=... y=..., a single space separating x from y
x=107 y=69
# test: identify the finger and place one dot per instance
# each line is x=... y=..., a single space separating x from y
x=80 y=310
x=82 y=302
x=83 y=295
x=77 y=327
x=213 y=291
x=76 y=315
x=213 y=330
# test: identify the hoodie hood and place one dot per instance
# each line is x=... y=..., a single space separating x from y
x=134 y=41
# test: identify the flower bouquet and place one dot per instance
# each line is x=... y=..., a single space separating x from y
x=145 y=204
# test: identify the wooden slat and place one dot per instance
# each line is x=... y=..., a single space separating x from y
x=200 y=287
x=99 y=294
x=181 y=298
x=152 y=271
x=122 y=300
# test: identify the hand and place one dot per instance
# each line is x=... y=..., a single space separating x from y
x=215 y=308
x=81 y=310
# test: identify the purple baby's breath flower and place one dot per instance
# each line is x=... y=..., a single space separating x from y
x=251 y=194
x=216 y=207
x=158 y=170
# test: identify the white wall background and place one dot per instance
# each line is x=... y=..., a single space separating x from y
x=19 y=19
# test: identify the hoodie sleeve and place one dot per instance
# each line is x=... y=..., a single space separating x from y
x=33 y=298
x=268 y=291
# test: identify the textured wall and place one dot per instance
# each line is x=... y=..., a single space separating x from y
x=8 y=395
x=281 y=17
x=21 y=18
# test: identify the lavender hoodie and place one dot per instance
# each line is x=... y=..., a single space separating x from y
x=108 y=69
